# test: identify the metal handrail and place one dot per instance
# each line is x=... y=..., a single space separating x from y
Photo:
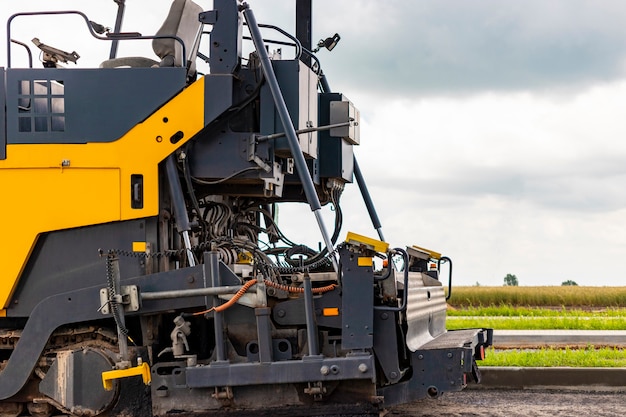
x=111 y=36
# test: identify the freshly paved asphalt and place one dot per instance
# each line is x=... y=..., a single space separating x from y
x=530 y=338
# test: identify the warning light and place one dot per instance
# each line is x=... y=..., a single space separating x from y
x=331 y=311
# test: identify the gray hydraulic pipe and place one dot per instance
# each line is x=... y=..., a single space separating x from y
x=367 y=199
x=180 y=210
x=166 y=295
x=292 y=138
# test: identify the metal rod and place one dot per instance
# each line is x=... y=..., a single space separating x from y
x=292 y=138
x=324 y=86
x=180 y=210
x=214 y=269
x=367 y=199
x=187 y=240
x=118 y=26
x=442 y=260
x=198 y=292
x=405 y=291
x=309 y=311
x=307 y=130
x=28 y=51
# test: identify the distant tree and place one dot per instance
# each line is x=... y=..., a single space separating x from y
x=477 y=284
x=510 y=280
x=569 y=282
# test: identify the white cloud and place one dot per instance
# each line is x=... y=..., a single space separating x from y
x=523 y=183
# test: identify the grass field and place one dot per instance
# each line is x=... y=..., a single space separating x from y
x=506 y=317
x=513 y=311
x=543 y=308
x=562 y=296
x=538 y=323
x=589 y=357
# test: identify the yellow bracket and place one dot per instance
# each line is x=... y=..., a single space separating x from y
x=109 y=376
x=431 y=253
x=375 y=245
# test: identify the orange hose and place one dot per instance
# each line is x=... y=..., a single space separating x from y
x=269 y=283
x=230 y=302
x=287 y=288
x=236 y=297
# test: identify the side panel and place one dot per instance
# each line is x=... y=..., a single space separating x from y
x=62 y=186
x=84 y=105
x=47 y=198
x=3 y=131
x=66 y=260
x=298 y=86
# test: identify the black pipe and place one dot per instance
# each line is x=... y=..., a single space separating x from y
x=176 y=192
x=118 y=26
x=442 y=260
x=303 y=27
x=292 y=138
x=325 y=87
x=405 y=291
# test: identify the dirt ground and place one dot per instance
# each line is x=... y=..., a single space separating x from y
x=499 y=403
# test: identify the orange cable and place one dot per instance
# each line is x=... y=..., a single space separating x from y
x=230 y=302
x=247 y=285
x=287 y=288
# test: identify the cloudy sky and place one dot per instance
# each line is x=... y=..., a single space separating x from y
x=492 y=131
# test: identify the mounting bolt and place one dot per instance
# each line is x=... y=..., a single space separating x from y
x=393 y=375
x=450 y=355
x=281 y=313
x=363 y=368
x=420 y=357
x=324 y=370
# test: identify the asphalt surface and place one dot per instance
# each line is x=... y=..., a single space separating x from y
x=506 y=377
x=518 y=403
x=531 y=338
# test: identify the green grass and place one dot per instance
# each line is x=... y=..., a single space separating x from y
x=561 y=296
x=538 y=323
x=543 y=308
x=512 y=311
x=589 y=357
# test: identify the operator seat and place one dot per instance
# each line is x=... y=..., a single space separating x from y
x=182 y=21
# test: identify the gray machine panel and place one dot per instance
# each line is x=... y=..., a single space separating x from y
x=357 y=315
x=3 y=130
x=84 y=105
x=336 y=155
x=298 y=85
x=66 y=260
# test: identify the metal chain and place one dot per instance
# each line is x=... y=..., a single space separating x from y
x=112 y=293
